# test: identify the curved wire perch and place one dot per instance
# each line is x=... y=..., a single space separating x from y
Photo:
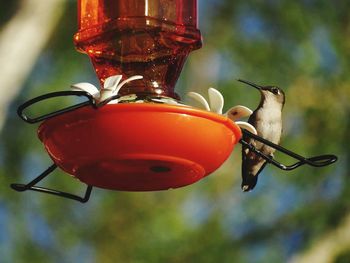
x=106 y=101
x=31 y=186
x=316 y=161
x=26 y=118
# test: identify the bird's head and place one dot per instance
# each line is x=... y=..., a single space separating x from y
x=268 y=92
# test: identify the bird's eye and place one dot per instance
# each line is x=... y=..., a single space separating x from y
x=275 y=91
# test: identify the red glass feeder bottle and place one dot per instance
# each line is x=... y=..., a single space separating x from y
x=139 y=146
x=151 y=38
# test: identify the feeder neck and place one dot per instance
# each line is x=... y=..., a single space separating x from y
x=151 y=38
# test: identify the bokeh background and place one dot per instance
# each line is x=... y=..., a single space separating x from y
x=300 y=216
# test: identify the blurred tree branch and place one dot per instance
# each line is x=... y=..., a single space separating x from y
x=32 y=24
x=328 y=247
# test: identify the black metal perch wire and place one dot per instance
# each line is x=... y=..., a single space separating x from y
x=20 y=111
x=90 y=102
x=32 y=186
x=23 y=116
x=316 y=161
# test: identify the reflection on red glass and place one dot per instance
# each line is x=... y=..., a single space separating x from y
x=151 y=38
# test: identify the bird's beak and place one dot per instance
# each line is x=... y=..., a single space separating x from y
x=250 y=83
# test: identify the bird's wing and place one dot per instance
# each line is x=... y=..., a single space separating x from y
x=252 y=165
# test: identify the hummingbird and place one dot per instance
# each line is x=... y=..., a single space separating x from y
x=267 y=120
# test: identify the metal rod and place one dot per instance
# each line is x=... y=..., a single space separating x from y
x=316 y=161
x=26 y=118
x=32 y=186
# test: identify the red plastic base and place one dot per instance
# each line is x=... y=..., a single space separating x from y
x=139 y=147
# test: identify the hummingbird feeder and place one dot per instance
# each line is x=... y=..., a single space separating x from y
x=135 y=134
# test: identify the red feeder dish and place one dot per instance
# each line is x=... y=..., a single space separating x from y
x=139 y=147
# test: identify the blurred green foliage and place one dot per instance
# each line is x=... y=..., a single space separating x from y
x=301 y=46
